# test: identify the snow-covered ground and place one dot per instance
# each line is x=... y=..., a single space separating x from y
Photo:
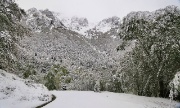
x=89 y=99
x=19 y=93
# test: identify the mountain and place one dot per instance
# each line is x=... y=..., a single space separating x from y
x=42 y=20
x=77 y=24
x=75 y=28
x=88 y=29
x=65 y=43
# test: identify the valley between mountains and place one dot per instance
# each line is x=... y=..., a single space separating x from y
x=44 y=52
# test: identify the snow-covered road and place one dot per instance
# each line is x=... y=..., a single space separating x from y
x=89 y=99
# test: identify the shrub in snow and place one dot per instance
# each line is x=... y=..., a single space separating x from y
x=29 y=71
x=175 y=87
x=50 y=83
x=97 y=86
x=55 y=77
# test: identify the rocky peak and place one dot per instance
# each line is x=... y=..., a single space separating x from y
x=78 y=24
x=42 y=20
x=48 y=13
x=79 y=21
x=112 y=20
x=106 y=24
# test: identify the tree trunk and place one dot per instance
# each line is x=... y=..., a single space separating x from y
x=161 y=87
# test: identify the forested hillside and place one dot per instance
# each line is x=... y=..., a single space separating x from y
x=10 y=32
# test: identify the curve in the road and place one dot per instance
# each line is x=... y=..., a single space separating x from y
x=53 y=98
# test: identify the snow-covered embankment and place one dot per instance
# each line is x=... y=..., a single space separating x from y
x=19 y=93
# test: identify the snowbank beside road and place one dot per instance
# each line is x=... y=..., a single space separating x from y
x=19 y=93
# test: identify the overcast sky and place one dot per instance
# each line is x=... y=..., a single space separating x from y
x=96 y=10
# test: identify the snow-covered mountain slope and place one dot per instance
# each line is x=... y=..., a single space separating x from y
x=69 y=46
x=106 y=25
x=73 y=36
x=19 y=93
x=42 y=20
x=63 y=48
x=77 y=24
x=85 y=99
